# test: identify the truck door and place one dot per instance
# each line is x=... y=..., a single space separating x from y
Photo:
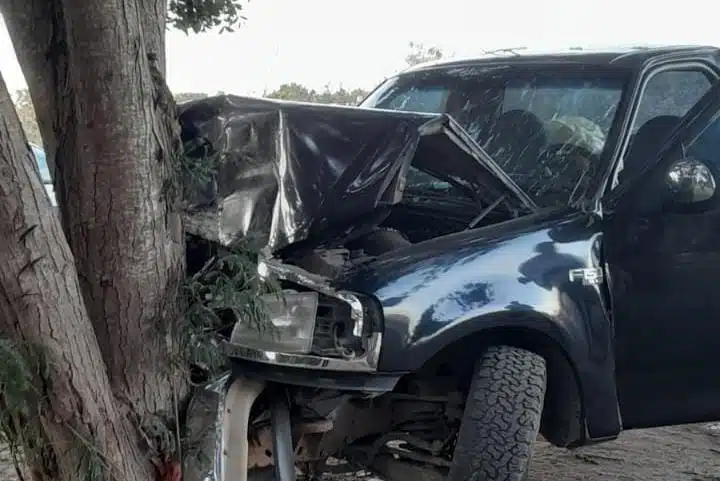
x=662 y=247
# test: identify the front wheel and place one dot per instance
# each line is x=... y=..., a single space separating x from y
x=502 y=416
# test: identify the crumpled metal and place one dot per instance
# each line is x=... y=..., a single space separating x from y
x=284 y=172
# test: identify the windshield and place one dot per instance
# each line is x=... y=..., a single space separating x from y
x=547 y=129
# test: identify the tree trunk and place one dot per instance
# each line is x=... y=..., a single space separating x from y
x=128 y=244
x=37 y=32
x=109 y=130
x=41 y=305
x=110 y=126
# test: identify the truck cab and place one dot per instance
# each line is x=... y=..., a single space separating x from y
x=652 y=92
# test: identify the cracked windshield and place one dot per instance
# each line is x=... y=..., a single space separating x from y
x=548 y=129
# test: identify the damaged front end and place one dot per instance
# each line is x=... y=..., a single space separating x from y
x=314 y=325
x=289 y=176
x=316 y=189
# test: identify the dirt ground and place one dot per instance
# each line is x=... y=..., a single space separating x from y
x=683 y=453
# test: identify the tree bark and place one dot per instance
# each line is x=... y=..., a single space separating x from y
x=110 y=132
x=37 y=32
x=41 y=305
x=95 y=72
x=154 y=13
x=127 y=241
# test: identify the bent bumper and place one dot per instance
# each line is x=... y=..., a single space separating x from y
x=365 y=363
x=351 y=381
x=356 y=374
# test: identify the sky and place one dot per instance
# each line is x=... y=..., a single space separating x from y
x=353 y=43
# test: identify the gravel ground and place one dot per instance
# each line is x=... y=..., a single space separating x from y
x=682 y=453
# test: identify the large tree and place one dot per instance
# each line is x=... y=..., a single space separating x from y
x=89 y=299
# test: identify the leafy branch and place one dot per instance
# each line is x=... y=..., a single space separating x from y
x=202 y=15
x=227 y=289
x=19 y=396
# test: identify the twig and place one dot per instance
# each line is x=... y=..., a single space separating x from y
x=177 y=425
x=92 y=448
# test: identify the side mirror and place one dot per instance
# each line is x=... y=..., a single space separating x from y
x=690 y=181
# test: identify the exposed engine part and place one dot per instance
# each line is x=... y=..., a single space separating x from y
x=325 y=262
x=305 y=444
x=333 y=330
x=429 y=408
x=330 y=262
x=424 y=451
x=417 y=426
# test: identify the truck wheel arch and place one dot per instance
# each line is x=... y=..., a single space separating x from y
x=563 y=419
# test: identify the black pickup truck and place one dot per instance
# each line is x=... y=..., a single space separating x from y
x=483 y=251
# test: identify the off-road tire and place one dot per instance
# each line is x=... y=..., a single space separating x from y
x=501 y=418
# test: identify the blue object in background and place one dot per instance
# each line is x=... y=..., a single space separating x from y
x=41 y=160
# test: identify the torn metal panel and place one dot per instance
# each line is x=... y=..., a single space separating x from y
x=287 y=172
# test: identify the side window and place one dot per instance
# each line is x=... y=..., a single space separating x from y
x=417 y=100
x=671 y=93
x=666 y=99
x=706 y=146
x=696 y=166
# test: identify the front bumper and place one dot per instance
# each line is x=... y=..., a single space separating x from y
x=373 y=383
x=365 y=363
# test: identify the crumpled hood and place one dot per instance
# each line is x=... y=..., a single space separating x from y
x=286 y=172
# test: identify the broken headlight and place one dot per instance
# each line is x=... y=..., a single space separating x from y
x=289 y=326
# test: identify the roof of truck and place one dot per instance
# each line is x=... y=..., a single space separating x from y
x=622 y=57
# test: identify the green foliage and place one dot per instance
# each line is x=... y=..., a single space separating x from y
x=193 y=169
x=159 y=433
x=189 y=96
x=226 y=289
x=92 y=465
x=16 y=377
x=20 y=369
x=299 y=93
x=222 y=284
x=202 y=15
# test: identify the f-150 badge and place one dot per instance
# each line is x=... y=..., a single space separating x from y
x=590 y=276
